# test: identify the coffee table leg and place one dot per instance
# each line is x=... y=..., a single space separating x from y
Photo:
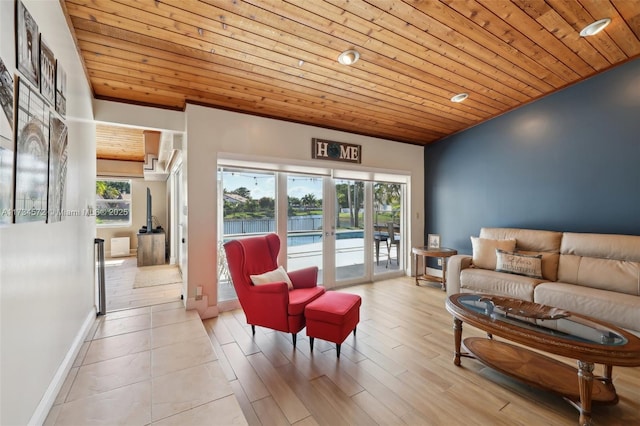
x=608 y=373
x=585 y=381
x=457 y=335
x=417 y=272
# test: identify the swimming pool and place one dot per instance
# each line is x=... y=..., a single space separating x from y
x=316 y=237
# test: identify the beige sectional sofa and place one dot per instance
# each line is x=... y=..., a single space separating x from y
x=592 y=274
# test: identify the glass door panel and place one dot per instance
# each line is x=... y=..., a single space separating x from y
x=387 y=218
x=349 y=230
x=248 y=209
x=305 y=218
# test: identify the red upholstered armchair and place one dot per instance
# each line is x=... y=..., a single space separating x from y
x=271 y=305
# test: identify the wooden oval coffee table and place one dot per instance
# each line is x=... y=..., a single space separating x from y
x=549 y=329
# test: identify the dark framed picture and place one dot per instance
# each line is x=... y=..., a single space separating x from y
x=6 y=145
x=47 y=73
x=32 y=155
x=57 y=168
x=6 y=180
x=27 y=44
x=433 y=241
x=61 y=90
x=6 y=98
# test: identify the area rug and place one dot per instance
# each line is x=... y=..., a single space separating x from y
x=149 y=276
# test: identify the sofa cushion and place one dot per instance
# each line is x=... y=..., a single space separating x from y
x=549 y=263
x=604 y=246
x=519 y=264
x=617 y=308
x=484 y=251
x=607 y=262
x=532 y=241
x=474 y=280
x=528 y=239
x=605 y=274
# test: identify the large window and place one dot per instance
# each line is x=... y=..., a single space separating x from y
x=248 y=208
x=113 y=202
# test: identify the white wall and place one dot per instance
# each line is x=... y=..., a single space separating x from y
x=46 y=270
x=138 y=116
x=139 y=212
x=211 y=131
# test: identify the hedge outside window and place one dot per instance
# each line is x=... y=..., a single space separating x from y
x=113 y=202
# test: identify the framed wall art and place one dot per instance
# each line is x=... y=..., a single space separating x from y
x=6 y=99
x=6 y=145
x=61 y=90
x=32 y=155
x=47 y=73
x=57 y=168
x=433 y=241
x=27 y=44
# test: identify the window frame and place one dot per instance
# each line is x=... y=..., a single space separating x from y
x=98 y=209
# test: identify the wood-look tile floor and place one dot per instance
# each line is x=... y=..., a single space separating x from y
x=146 y=366
x=397 y=370
x=120 y=294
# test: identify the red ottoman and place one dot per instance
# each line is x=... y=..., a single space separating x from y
x=332 y=317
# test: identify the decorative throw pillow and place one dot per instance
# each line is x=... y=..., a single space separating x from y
x=519 y=264
x=550 y=263
x=484 y=251
x=275 y=276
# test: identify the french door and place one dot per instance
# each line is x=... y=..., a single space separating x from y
x=363 y=220
x=340 y=225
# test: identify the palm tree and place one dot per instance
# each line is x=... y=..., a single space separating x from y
x=309 y=200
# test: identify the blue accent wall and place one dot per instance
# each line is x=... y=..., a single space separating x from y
x=566 y=162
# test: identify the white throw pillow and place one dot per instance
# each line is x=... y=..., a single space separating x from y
x=484 y=251
x=275 y=276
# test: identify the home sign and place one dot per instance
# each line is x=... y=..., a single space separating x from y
x=336 y=151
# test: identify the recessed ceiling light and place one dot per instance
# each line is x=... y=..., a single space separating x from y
x=595 y=27
x=459 y=97
x=349 y=57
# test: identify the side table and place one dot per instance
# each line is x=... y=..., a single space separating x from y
x=425 y=252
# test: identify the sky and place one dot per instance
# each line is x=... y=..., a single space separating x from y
x=263 y=184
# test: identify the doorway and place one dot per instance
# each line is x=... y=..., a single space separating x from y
x=351 y=229
x=364 y=232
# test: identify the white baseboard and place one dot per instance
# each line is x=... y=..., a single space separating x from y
x=229 y=305
x=42 y=410
x=202 y=306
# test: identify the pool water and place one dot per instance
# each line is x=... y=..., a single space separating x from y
x=300 y=239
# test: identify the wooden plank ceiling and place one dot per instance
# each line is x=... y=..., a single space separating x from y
x=119 y=143
x=278 y=58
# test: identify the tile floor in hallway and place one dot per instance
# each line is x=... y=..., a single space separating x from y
x=148 y=361
x=151 y=365
x=119 y=277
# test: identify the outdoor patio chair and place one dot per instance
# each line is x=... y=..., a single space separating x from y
x=393 y=240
